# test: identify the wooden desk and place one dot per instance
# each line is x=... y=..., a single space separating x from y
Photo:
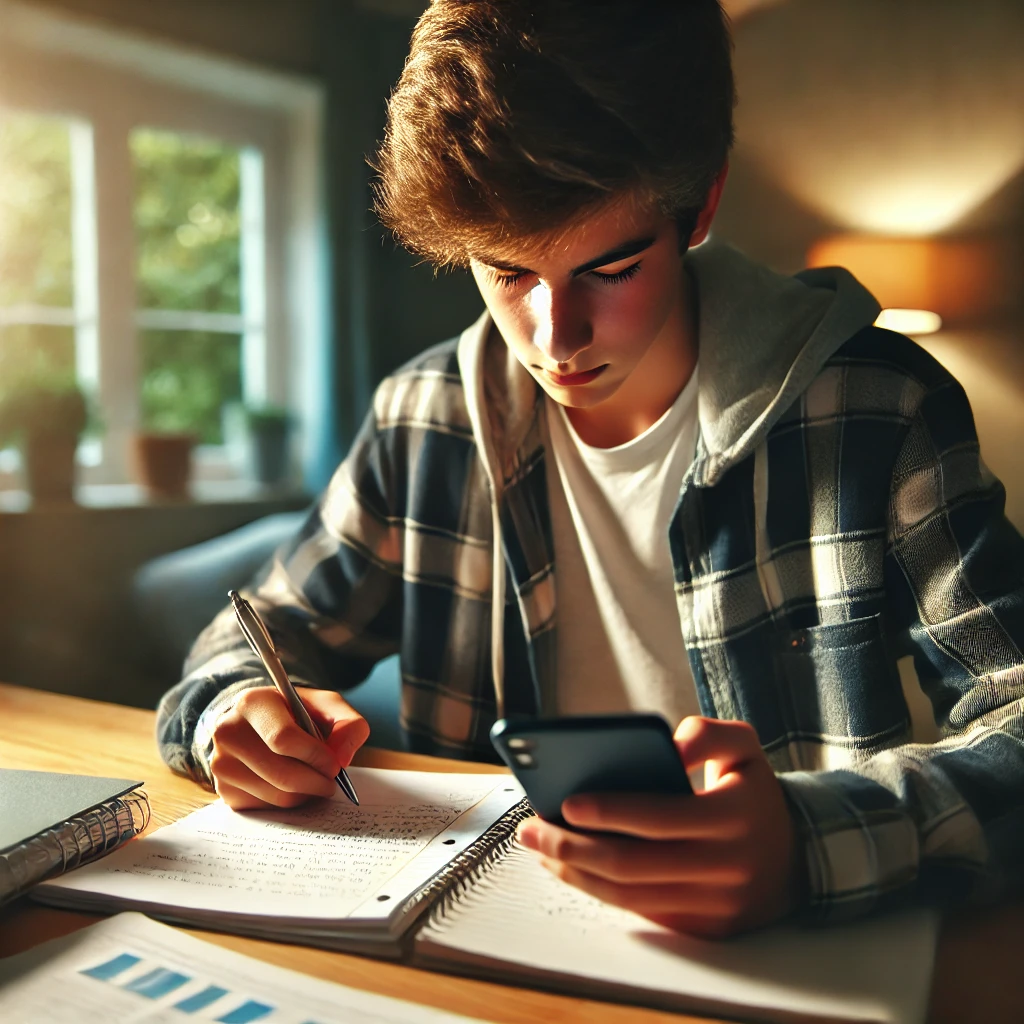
x=975 y=975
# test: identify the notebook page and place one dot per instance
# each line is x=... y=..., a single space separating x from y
x=129 y=968
x=518 y=916
x=319 y=861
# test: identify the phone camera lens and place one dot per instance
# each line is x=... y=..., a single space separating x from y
x=520 y=743
x=524 y=759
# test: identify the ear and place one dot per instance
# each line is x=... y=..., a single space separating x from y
x=707 y=214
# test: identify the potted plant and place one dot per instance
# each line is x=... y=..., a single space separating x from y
x=260 y=435
x=45 y=416
x=162 y=455
x=269 y=431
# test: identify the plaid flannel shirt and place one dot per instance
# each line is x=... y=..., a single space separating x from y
x=860 y=528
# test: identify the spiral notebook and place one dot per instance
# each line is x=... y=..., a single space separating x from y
x=439 y=851
x=51 y=822
x=328 y=874
x=511 y=919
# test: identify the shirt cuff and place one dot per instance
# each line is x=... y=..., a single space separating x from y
x=860 y=846
x=202 y=740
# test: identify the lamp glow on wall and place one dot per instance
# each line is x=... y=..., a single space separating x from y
x=922 y=283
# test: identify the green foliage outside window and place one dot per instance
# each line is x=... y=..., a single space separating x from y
x=188 y=241
x=35 y=211
x=188 y=377
x=35 y=250
x=187 y=228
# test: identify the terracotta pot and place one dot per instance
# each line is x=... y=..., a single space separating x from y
x=163 y=463
x=49 y=465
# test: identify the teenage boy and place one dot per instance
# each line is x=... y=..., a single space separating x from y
x=649 y=478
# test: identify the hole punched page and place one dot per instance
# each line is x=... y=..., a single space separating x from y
x=323 y=861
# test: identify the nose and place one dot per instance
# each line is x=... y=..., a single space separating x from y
x=562 y=323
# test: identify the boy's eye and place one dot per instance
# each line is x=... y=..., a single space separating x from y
x=620 y=275
x=508 y=280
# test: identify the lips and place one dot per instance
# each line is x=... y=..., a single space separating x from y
x=571 y=380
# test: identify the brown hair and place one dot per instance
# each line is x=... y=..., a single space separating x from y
x=514 y=117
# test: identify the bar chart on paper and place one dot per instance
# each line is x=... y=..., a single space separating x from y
x=133 y=970
x=179 y=991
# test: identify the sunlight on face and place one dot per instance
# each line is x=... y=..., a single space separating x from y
x=600 y=316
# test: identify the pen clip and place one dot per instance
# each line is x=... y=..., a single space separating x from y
x=248 y=620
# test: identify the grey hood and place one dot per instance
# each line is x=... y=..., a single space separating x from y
x=763 y=338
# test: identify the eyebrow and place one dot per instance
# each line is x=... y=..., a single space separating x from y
x=620 y=252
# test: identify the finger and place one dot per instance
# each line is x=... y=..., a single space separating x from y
x=691 y=900
x=240 y=798
x=267 y=712
x=235 y=742
x=729 y=744
x=713 y=815
x=345 y=728
x=284 y=775
x=634 y=861
x=237 y=799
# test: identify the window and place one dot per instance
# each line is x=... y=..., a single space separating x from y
x=37 y=293
x=159 y=237
x=189 y=242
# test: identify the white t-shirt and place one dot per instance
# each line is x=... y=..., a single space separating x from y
x=620 y=647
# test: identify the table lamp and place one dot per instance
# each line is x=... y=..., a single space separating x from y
x=922 y=283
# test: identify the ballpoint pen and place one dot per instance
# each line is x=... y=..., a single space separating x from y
x=263 y=647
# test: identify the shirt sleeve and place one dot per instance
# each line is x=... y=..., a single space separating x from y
x=946 y=819
x=330 y=597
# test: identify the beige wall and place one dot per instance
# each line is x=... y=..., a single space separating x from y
x=886 y=117
x=276 y=33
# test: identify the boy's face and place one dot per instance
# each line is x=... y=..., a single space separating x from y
x=600 y=316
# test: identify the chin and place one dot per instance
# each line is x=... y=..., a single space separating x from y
x=578 y=398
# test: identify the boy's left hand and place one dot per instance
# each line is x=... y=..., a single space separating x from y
x=711 y=864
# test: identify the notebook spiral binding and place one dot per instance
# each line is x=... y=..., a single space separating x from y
x=77 y=841
x=455 y=877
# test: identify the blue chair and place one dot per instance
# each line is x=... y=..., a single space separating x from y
x=177 y=594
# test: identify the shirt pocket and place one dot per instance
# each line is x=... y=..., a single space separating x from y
x=840 y=681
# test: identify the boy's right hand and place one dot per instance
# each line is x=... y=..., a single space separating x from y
x=261 y=758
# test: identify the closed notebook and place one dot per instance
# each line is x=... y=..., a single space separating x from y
x=51 y=822
x=428 y=869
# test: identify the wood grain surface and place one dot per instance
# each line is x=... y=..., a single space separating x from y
x=975 y=978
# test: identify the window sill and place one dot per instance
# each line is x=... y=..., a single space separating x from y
x=201 y=492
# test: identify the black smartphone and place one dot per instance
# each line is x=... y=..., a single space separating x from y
x=554 y=758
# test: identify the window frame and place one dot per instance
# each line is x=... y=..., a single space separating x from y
x=106 y=83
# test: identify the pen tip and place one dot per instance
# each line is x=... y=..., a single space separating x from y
x=346 y=786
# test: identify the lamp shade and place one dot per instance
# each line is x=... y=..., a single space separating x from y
x=962 y=280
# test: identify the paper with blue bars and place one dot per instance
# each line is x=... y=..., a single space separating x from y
x=130 y=968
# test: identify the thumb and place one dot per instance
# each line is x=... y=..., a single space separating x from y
x=344 y=729
x=730 y=745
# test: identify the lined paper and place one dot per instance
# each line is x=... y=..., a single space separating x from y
x=319 y=861
x=517 y=920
